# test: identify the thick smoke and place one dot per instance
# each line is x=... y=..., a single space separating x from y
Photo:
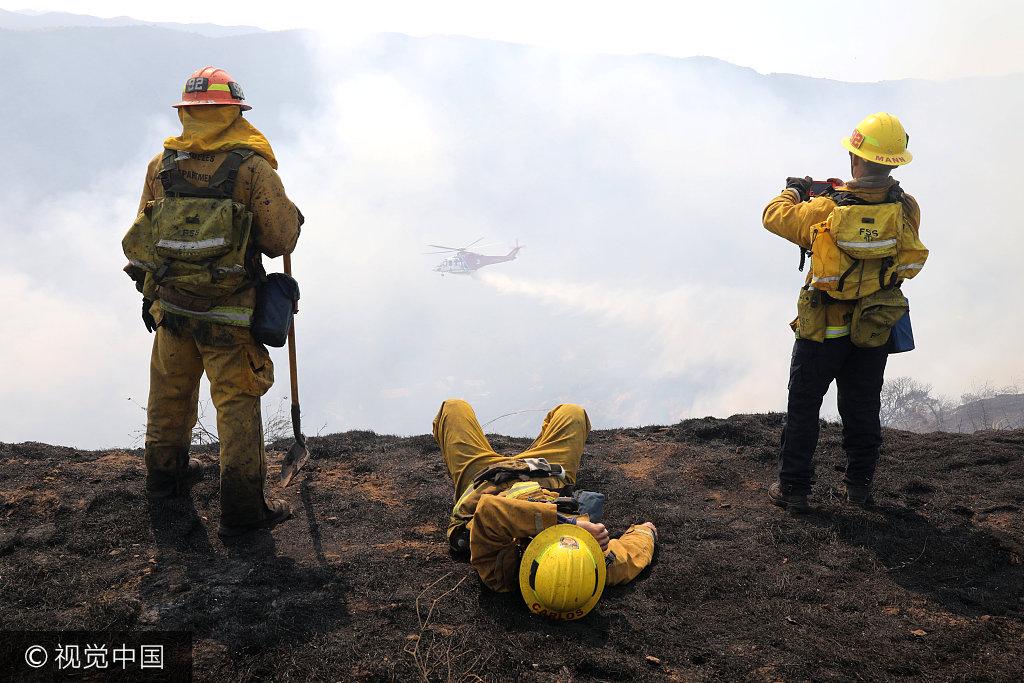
x=647 y=291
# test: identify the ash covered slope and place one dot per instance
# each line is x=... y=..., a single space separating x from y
x=740 y=589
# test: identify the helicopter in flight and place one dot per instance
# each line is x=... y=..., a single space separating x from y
x=465 y=262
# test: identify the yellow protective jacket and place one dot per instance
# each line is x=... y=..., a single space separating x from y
x=792 y=219
x=276 y=220
x=502 y=526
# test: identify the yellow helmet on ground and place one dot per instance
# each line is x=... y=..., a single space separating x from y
x=563 y=572
x=880 y=138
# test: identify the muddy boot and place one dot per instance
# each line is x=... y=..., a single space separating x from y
x=277 y=512
x=161 y=485
x=859 y=495
x=784 y=497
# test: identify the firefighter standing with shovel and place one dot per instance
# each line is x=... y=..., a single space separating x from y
x=212 y=203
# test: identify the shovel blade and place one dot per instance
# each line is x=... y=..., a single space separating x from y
x=296 y=457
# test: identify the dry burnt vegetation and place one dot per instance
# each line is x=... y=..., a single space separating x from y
x=360 y=585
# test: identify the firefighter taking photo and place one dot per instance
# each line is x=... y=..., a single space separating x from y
x=862 y=240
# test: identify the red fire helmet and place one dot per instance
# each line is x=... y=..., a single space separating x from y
x=211 y=85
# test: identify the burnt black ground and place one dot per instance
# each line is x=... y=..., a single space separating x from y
x=927 y=586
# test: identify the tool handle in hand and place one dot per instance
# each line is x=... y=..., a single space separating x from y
x=292 y=364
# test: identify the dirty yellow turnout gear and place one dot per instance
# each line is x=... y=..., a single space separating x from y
x=562 y=573
x=864 y=247
x=209 y=129
x=500 y=518
x=880 y=138
x=239 y=369
x=502 y=525
x=468 y=454
x=240 y=372
x=194 y=244
x=822 y=314
x=275 y=219
x=211 y=203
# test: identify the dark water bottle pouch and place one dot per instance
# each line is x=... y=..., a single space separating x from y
x=276 y=303
x=902 y=338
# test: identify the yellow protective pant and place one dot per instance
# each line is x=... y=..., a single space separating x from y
x=467 y=452
x=240 y=372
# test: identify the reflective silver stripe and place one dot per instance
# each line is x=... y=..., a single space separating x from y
x=228 y=315
x=826 y=279
x=836 y=332
x=521 y=487
x=462 y=499
x=192 y=246
x=142 y=264
x=867 y=245
x=911 y=266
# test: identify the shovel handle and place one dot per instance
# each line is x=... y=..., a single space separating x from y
x=292 y=364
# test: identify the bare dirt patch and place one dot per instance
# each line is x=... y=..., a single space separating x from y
x=360 y=586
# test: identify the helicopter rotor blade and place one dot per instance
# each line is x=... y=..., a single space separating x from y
x=441 y=246
x=470 y=244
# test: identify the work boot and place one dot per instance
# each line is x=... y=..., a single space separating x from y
x=277 y=512
x=163 y=485
x=859 y=495
x=783 y=496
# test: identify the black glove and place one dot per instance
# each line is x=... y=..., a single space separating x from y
x=801 y=185
x=138 y=276
x=147 y=317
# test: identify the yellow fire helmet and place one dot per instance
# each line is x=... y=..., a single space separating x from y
x=880 y=138
x=563 y=572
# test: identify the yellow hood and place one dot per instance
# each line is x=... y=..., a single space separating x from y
x=218 y=128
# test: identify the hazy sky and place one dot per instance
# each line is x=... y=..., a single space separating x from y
x=870 y=40
x=648 y=290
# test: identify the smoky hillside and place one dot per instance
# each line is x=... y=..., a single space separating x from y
x=928 y=585
x=647 y=291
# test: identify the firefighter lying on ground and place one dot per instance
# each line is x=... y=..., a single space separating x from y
x=502 y=502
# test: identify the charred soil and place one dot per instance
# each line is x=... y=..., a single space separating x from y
x=928 y=585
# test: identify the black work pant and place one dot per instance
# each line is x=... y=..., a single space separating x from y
x=859 y=374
